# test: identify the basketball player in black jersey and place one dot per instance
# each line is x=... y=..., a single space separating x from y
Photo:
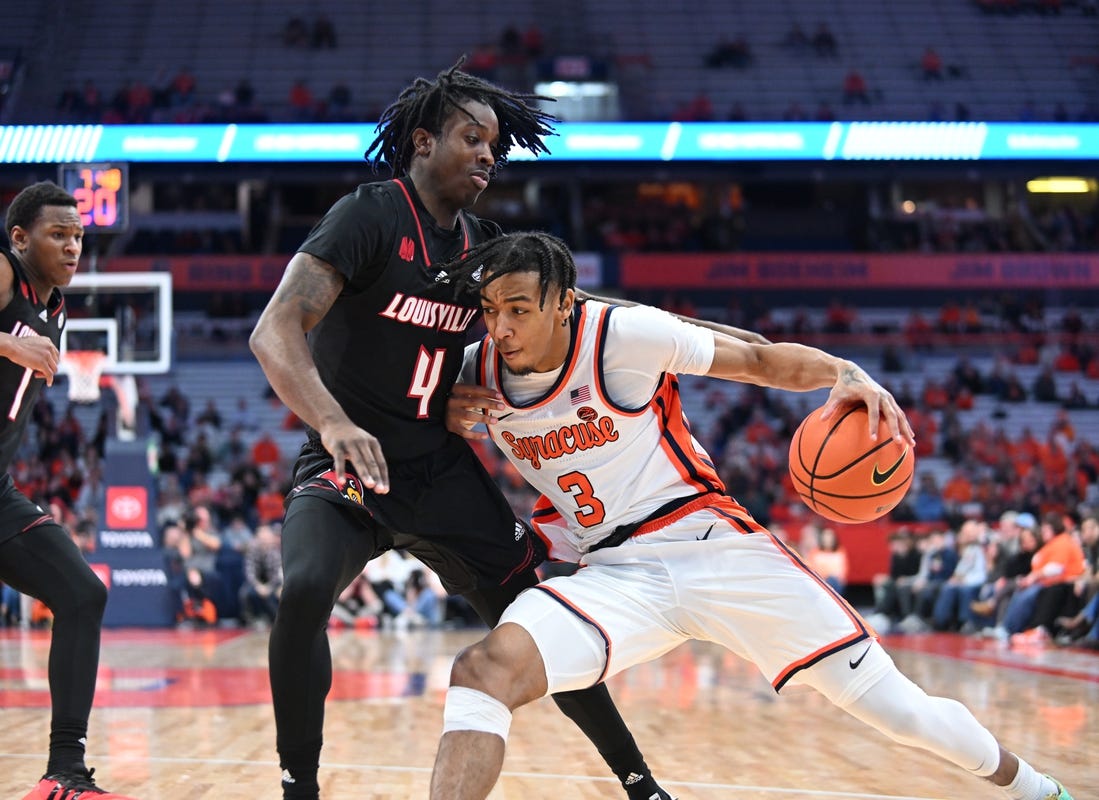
x=37 y=556
x=384 y=345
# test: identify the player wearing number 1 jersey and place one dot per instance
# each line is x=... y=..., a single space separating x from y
x=362 y=340
x=37 y=556
x=583 y=400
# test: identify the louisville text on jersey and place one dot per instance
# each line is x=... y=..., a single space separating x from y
x=23 y=329
x=562 y=441
x=429 y=313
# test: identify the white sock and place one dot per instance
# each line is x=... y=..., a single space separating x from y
x=1029 y=785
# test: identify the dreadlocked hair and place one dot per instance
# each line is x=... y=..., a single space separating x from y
x=526 y=251
x=427 y=104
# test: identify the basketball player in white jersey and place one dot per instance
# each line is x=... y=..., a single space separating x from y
x=583 y=400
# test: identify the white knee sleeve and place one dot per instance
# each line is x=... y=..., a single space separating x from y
x=473 y=710
x=905 y=713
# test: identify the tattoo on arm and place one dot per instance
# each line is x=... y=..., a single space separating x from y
x=851 y=375
x=311 y=286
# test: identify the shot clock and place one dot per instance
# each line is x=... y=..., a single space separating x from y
x=101 y=192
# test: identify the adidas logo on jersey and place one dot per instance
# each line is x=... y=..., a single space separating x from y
x=442 y=277
x=519 y=531
x=287 y=777
x=631 y=779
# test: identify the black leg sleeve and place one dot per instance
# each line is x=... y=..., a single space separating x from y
x=323 y=549
x=44 y=563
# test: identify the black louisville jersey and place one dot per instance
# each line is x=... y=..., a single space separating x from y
x=391 y=346
x=26 y=315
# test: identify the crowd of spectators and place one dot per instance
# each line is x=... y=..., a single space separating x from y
x=1027 y=580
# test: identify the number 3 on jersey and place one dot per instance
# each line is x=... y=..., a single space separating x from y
x=425 y=378
x=591 y=510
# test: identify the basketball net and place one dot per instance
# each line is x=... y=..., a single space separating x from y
x=85 y=371
x=85 y=368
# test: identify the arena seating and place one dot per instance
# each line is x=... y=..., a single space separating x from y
x=994 y=64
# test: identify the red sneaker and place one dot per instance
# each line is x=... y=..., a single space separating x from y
x=71 y=785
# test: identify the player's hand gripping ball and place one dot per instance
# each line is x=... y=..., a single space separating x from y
x=843 y=474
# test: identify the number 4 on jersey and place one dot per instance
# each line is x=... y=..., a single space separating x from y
x=425 y=378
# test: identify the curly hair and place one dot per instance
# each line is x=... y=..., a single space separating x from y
x=428 y=104
x=525 y=251
x=28 y=204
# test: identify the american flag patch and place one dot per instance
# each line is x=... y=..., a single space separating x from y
x=581 y=395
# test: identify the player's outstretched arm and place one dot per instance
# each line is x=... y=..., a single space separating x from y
x=799 y=368
x=728 y=330
x=307 y=291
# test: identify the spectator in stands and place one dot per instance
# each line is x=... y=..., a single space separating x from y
x=259 y=596
x=904 y=564
x=483 y=61
x=511 y=44
x=210 y=415
x=186 y=579
x=295 y=32
x=736 y=53
x=202 y=566
x=796 y=38
x=303 y=107
x=964 y=584
x=534 y=41
x=358 y=605
x=244 y=419
x=931 y=64
x=917 y=599
x=1010 y=556
x=339 y=103
x=425 y=600
x=69 y=103
x=828 y=558
x=1044 y=388
x=265 y=452
x=928 y=505
x=244 y=95
x=855 y=89
x=1058 y=563
x=824 y=112
x=324 y=32
x=182 y=88
x=824 y=42
x=1083 y=628
x=177 y=404
x=794 y=113
x=269 y=502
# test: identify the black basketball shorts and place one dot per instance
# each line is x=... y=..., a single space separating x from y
x=443 y=508
x=17 y=512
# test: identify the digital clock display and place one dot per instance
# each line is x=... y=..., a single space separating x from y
x=101 y=192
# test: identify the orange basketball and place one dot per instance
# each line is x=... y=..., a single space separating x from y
x=843 y=474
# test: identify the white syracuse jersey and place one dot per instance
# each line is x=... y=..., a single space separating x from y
x=598 y=465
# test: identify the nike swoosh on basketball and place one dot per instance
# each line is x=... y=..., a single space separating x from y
x=877 y=477
x=855 y=664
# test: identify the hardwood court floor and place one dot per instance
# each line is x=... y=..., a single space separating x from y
x=186 y=716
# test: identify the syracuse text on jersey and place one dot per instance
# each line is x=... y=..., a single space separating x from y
x=567 y=439
x=429 y=313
